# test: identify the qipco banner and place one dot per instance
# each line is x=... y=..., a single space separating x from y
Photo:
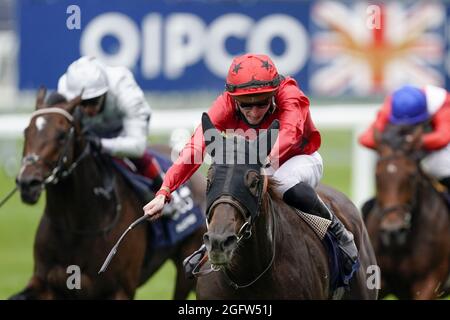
x=330 y=47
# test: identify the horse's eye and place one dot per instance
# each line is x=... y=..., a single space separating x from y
x=61 y=137
x=251 y=180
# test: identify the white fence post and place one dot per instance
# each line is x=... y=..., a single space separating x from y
x=363 y=164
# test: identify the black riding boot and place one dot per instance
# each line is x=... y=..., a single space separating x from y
x=446 y=182
x=304 y=197
x=190 y=262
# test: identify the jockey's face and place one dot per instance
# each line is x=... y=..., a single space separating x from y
x=254 y=107
x=91 y=107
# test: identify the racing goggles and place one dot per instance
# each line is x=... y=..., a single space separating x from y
x=260 y=105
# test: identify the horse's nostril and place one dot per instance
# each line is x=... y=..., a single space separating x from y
x=35 y=183
x=219 y=242
x=29 y=183
x=230 y=241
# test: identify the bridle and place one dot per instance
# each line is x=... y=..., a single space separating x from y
x=61 y=170
x=244 y=233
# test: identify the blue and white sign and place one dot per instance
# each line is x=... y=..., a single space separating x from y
x=330 y=47
x=169 y=45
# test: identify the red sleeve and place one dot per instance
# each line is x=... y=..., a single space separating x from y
x=293 y=111
x=367 y=138
x=440 y=137
x=191 y=157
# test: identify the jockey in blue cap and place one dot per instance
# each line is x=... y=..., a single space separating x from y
x=411 y=105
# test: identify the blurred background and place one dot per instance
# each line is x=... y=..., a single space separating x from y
x=345 y=55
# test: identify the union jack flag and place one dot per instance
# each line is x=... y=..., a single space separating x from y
x=371 y=48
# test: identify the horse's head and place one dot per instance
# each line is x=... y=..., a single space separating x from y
x=48 y=145
x=397 y=177
x=235 y=188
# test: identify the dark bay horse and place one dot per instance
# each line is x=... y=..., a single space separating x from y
x=409 y=222
x=88 y=206
x=259 y=247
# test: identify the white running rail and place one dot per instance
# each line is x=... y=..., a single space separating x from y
x=355 y=118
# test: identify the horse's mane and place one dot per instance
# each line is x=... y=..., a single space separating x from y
x=394 y=135
x=273 y=193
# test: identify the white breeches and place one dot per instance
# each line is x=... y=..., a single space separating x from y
x=437 y=163
x=301 y=168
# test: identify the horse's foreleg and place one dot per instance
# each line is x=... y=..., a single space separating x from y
x=36 y=289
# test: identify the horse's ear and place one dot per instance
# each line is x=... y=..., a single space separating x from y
x=207 y=123
x=266 y=140
x=41 y=97
x=72 y=104
x=211 y=134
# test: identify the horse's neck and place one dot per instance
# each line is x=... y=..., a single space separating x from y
x=75 y=194
x=426 y=197
x=422 y=218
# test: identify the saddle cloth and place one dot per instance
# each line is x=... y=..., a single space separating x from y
x=168 y=230
x=338 y=278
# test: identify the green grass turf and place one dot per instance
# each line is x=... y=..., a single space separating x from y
x=18 y=223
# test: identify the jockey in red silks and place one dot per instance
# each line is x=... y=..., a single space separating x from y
x=410 y=105
x=116 y=113
x=255 y=96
